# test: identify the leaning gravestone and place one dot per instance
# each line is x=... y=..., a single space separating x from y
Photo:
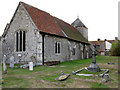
x=4 y=65
x=106 y=78
x=12 y=62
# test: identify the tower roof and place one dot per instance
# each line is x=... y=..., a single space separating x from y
x=78 y=22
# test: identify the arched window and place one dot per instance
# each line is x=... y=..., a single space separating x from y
x=20 y=40
x=73 y=51
x=57 y=47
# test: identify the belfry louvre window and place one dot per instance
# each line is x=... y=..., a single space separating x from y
x=20 y=40
x=57 y=47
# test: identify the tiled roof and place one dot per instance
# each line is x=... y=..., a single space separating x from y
x=100 y=50
x=102 y=44
x=78 y=23
x=52 y=25
x=70 y=31
x=111 y=41
x=96 y=42
x=101 y=41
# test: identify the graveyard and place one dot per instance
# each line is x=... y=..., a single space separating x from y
x=45 y=76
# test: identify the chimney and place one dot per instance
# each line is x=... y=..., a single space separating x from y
x=116 y=38
x=105 y=40
x=98 y=39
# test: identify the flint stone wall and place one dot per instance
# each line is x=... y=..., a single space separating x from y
x=65 y=49
x=21 y=21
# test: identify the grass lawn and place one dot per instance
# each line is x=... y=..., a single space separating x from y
x=44 y=76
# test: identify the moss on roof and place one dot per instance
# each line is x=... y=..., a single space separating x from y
x=71 y=32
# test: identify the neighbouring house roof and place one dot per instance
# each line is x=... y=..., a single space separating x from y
x=101 y=43
x=111 y=41
x=100 y=50
x=101 y=47
x=52 y=25
x=96 y=42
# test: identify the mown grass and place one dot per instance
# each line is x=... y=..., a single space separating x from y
x=44 y=76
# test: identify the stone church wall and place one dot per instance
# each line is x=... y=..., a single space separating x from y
x=21 y=21
x=66 y=49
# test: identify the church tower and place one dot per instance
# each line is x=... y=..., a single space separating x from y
x=80 y=27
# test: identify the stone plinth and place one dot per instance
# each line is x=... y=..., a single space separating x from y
x=94 y=68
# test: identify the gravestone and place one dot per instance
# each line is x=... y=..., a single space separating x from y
x=4 y=65
x=106 y=78
x=24 y=66
x=31 y=66
x=62 y=76
x=93 y=66
x=12 y=62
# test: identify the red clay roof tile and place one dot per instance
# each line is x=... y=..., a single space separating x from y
x=52 y=25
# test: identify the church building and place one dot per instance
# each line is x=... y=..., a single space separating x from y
x=35 y=33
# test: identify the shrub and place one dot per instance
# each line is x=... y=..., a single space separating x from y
x=115 y=48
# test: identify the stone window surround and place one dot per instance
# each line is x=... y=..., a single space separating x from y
x=74 y=51
x=81 y=47
x=57 y=47
x=86 y=47
x=18 y=31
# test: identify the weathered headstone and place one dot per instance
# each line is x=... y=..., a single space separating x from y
x=24 y=66
x=12 y=62
x=19 y=58
x=4 y=65
x=85 y=74
x=78 y=71
x=101 y=75
x=62 y=77
x=106 y=78
x=31 y=66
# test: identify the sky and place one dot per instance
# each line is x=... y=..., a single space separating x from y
x=100 y=16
